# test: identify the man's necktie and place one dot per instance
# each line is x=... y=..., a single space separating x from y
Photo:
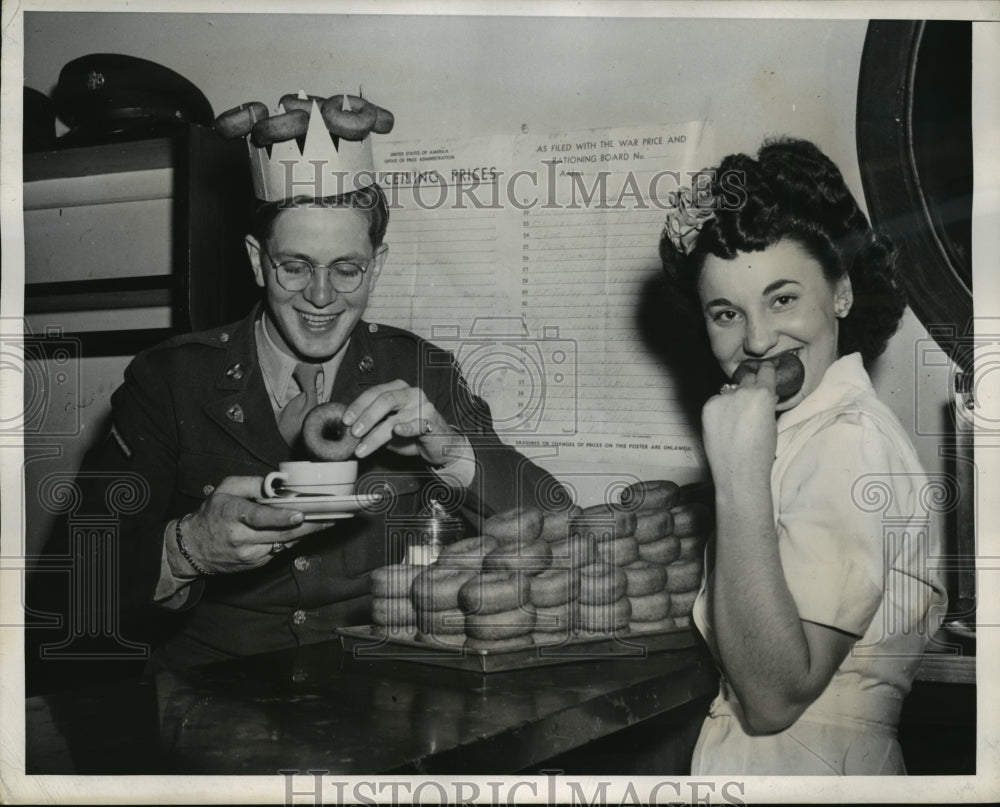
x=294 y=412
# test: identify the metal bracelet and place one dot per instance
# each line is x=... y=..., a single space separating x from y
x=183 y=549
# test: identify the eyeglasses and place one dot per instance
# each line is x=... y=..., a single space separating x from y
x=297 y=274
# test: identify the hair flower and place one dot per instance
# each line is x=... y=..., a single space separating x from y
x=685 y=218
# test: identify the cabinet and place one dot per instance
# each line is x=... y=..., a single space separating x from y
x=128 y=243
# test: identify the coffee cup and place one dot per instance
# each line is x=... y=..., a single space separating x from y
x=312 y=479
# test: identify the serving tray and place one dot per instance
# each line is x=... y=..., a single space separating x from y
x=363 y=645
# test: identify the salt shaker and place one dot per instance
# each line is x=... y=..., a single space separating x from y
x=433 y=528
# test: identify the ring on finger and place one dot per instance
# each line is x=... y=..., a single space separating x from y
x=426 y=427
x=727 y=388
x=276 y=547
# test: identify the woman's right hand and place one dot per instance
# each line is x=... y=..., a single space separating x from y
x=230 y=532
x=740 y=431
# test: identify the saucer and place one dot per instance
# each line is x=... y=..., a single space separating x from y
x=283 y=492
x=322 y=508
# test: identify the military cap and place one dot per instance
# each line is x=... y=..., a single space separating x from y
x=111 y=96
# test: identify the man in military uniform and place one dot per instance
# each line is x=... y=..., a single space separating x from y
x=203 y=417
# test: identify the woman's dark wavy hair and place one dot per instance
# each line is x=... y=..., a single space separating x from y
x=793 y=190
x=370 y=200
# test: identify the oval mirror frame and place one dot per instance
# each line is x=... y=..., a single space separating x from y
x=914 y=141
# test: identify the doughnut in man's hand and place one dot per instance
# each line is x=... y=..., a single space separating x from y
x=325 y=436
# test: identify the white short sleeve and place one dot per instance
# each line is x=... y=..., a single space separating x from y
x=832 y=549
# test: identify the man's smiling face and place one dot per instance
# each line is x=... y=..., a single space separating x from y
x=315 y=323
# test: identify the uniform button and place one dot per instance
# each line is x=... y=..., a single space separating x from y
x=208 y=489
x=223 y=337
x=235 y=372
x=302 y=563
x=299 y=617
x=235 y=413
x=373 y=327
x=367 y=364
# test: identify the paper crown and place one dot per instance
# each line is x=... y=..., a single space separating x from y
x=325 y=166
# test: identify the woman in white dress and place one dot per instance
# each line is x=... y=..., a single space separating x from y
x=819 y=596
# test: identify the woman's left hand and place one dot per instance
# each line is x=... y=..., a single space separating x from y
x=739 y=425
x=404 y=420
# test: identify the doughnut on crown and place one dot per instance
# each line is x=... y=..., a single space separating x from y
x=320 y=169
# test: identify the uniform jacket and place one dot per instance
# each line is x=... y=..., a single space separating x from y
x=195 y=410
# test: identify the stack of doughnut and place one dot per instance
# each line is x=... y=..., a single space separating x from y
x=605 y=608
x=435 y=601
x=498 y=611
x=555 y=600
x=672 y=525
x=613 y=531
x=392 y=610
x=555 y=592
x=348 y=117
x=429 y=612
x=535 y=577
